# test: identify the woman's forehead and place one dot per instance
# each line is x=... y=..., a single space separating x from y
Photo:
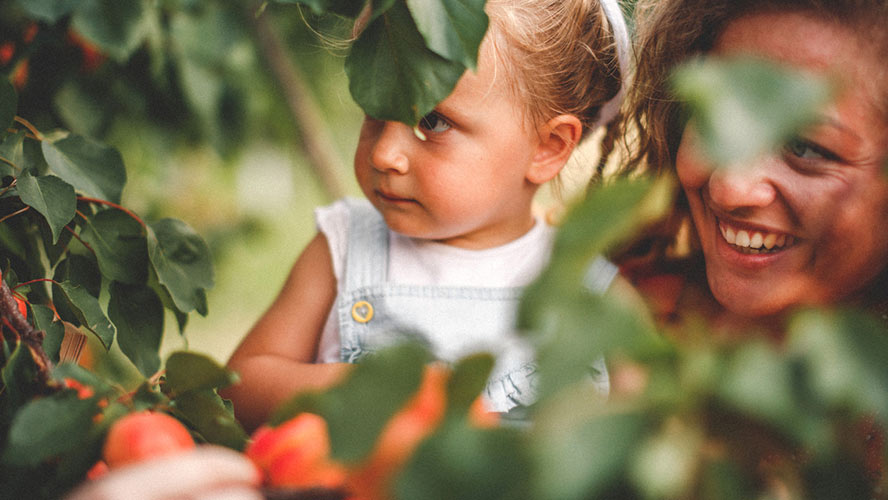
x=802 y=40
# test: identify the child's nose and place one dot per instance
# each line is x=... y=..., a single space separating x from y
x=389 y=152
x=739 y=186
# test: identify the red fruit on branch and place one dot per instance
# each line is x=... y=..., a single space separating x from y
x=22 y=306
x=83 y=391
x=98 y=470
x=296 y=454
x=7 y=50
x=91 y=56
x=143 y=435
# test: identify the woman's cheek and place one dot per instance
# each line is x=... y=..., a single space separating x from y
x=692 y=169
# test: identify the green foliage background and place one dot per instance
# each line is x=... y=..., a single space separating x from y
x=178 y=87
x=199 y=124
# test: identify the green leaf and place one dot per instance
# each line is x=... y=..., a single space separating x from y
x=52 y=197
x=182 y=262
x=118 y=27
x=451 y=29
x=188 y=371
x=84 y=376
x=49 y=10
x=8 y=103
x=460 y=462
x=375 y=389
x=666 y=464
x=147 y=396
x=743 y=107
x=73 y=465
x=91 y=168
x=49 y=426
x=80 y=270
x=393 y=75
x=120 y=246
x=572 y=326
x=579 y=454
x=207 y=414
x=44 y=319
x=88 y=311
x=137 y=313
x=467 y=380
x=763 y=383
x=844 y=354
x=12 y=150
x=18 y=375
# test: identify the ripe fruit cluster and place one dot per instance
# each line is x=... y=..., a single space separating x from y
x=296 y=454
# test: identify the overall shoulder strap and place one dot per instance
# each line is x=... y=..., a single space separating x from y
x=366 y=261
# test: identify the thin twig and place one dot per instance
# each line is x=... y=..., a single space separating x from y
x=31 y=128
x=78 y=238
x=314 y=134
x=4 y=218
x=112 y=205
x=10 y=163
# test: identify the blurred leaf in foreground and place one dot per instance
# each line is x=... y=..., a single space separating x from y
x=743 y=107
x=374 y=390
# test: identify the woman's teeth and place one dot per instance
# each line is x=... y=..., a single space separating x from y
x=754 y=241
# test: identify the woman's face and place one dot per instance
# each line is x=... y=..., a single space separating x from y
x=805 y=225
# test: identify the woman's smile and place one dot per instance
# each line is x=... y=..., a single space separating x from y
x=754 y=241
x=797 y=226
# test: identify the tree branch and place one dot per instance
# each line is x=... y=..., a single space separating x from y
x=313 y=135
x=29 y=336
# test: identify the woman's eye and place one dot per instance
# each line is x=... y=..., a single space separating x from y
x=803 y=149
x=433 y=122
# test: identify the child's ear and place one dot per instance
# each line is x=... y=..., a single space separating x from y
x=558 y=138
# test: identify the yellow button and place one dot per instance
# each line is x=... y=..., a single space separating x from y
x=362 y=311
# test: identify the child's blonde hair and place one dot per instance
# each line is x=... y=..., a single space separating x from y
x=563 y=57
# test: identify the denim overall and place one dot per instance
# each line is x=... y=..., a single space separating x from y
x=451 y=321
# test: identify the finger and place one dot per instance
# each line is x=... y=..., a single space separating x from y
x=203 y=469
x=234 y=493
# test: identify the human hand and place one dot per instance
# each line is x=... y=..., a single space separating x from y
x=206 y=473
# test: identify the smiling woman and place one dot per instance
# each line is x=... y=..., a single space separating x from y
x=794 y=227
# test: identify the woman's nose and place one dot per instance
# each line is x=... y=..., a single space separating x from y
x=738 y=186
x=389 y=151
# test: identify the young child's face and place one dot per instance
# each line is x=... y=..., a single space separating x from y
x=465 y=184
x=805 y=225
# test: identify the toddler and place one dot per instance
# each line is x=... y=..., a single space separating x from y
x=445 y=240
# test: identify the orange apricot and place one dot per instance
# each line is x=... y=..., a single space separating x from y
x=143 y=435
x=296 y=454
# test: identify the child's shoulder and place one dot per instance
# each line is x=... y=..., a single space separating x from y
x=339 y=213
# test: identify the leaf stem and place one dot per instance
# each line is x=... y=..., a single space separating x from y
x=78 y=238
x=113 y=205
x=38 y=280
x=3 y=219
x=31 y=128
x=10 y=163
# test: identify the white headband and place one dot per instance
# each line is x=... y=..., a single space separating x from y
x=614 y=14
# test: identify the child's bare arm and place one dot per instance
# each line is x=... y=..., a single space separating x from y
x=275 y=360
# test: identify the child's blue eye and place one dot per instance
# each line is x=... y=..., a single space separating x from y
x=433 y=122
